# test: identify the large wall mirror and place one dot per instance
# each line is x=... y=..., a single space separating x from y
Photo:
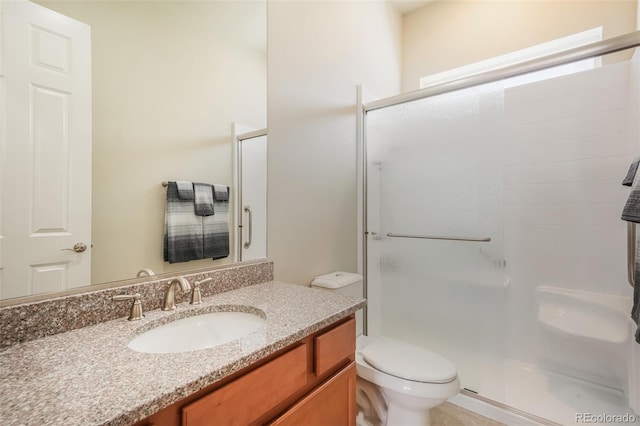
x=167 y=81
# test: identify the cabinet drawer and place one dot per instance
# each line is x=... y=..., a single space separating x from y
x=335 y=347
x=333 y=403
x=246 y=399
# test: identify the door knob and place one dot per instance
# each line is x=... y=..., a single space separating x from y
x=77 y=247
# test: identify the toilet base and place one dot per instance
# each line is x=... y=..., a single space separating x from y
x=397 y=416
x=384 y=407
x=371 y=405
x=408 y=410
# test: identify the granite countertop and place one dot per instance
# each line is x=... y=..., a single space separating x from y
x=89 y=376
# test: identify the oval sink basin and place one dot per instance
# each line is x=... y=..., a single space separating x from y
x=197 y=332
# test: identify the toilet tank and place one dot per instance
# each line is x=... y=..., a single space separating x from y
x=346 y=283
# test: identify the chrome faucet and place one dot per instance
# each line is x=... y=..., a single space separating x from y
x=169 y=300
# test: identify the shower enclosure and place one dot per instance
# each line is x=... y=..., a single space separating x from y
x=492 y=232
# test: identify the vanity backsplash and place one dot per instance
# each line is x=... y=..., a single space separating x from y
x=30 y=321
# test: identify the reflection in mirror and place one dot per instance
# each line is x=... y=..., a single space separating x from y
x=162 y=82
x=251 y=210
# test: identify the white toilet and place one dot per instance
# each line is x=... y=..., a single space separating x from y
x=398 y=382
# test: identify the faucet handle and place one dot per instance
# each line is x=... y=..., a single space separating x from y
x=146 y=272
x=136 y=308
x=196 y=296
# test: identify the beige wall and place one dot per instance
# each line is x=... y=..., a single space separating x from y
x=449 y=34
x=169 y=79
x=318 y=53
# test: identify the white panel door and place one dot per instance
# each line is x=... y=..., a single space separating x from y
x=46 y=166
x=254 y=198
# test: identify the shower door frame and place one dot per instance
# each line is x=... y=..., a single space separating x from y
x=588 y=51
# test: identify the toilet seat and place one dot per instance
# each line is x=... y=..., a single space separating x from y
x=414 y=388
x=409 y=362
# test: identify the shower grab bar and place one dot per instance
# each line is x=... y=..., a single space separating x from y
x=436 y=237
x=631 y=253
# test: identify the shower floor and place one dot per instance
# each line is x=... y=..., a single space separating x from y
x=555 y=397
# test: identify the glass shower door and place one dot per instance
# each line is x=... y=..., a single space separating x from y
x=495 y=239
x=435 y=207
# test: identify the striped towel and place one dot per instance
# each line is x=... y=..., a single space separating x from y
x=185 y=190
x=183 y=230
x=221 y=192
x=216 y=227
x=631 y=173
x=631 y=213
x=631 y=210
x=635 y=310
x=203 y=199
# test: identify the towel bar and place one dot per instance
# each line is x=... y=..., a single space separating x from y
x=631 y=253
x=435 y=237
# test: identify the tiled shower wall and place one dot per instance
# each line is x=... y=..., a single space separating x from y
x=568 y=144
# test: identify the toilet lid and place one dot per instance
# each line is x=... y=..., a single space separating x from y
x=407 y=361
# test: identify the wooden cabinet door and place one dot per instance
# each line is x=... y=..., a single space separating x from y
x=333 y=403
x=335 y=347
x=244 y=400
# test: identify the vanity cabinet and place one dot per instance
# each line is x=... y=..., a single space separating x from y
x=311 y=383
x=332 y=403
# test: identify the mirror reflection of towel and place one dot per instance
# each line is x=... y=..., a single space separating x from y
x=216 y=233
x=216 y=227
x=188 y=236
x=203 y=199
x=185 y=190
x=183 y=231
x=221 y=192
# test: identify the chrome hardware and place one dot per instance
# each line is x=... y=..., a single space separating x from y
x=631 y=253
x=592 y=50
x=250 y=232
x=136 y=308
x=146 y=272
x=169 y=300
x=196 y=296
x=77 y=247
x=435 y=237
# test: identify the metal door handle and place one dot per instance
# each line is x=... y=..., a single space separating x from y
x=248 y=210
x=77 y=247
